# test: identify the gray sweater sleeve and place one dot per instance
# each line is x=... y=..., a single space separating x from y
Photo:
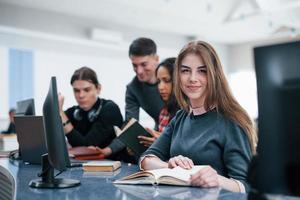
x=132 y=107
x=161 y=147
x=116 y=146
x=237 y=154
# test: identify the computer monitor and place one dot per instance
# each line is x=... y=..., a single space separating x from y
x=25 y=107
x=277 y=166
x=57 y=157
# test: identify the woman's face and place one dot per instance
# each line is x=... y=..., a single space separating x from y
x=85 y=93
x=193 y=79
x=164 y=83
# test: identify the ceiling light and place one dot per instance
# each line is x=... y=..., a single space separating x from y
x=106 y=36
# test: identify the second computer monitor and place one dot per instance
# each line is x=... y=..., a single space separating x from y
x=25 y=107
x=278 y=84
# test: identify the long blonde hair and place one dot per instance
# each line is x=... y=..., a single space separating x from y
x=218 y=93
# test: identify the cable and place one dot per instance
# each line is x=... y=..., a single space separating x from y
x=41 y=174
x=58 y=173
x=14 y=155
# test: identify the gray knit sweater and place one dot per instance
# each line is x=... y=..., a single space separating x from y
x=142 y=95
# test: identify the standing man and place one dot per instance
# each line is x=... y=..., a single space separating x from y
x=142 y=91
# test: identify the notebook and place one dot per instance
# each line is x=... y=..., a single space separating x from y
x=30 y=136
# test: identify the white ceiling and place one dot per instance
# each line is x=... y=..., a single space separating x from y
x=223 y=21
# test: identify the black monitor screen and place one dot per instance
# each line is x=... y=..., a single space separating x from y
x=278 y=84
x=25 y=107
x=57 y=156
x=55 y=137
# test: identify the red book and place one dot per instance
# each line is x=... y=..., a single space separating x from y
x=85 y=153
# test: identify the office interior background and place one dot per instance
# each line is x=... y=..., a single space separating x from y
x=40 y=39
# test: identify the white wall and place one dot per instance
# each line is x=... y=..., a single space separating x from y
x=3 y=87
x=242 y=77
x=223 y=53
x=113 y=75
x=240 y=58
x=3 y=81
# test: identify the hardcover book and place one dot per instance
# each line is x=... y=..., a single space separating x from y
x=85 y=153
x=128 y=135
x=101 y=174
x=101 y=166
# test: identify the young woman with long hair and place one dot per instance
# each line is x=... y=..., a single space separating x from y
x=211 y=129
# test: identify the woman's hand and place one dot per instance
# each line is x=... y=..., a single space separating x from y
x=147 y=141
x=206 y=177
x=181 y=161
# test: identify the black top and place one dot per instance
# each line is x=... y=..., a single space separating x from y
x=207 y=139
x=99 y=132
x=11 y=129
x=144 y=95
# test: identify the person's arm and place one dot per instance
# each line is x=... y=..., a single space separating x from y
x=114 y=147
x=237 y=156
x=132 y=107
x=99 y=135
x=102 y=132
x=208 y=177
x=68 y=127
x=152 y=162
x=160 y=149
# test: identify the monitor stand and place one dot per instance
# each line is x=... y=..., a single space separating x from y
x=48 y=180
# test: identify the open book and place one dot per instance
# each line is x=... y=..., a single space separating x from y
x=175 y=176
x=128 y=135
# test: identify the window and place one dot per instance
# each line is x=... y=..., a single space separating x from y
x=243 y=85
x=20 y=75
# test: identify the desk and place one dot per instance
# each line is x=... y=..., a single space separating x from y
x=100 y=186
